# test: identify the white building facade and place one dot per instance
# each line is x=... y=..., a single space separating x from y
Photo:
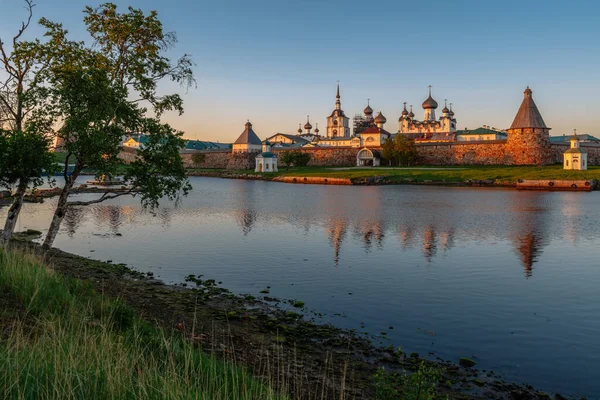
x=575 y=157
x=446 y=124
x=266 y=161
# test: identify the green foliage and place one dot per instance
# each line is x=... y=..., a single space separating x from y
x=286 y=158
x=77 y=344
x=405 y=150
x=198 y=159
x=301 y=158
x=400 y=150
x=296 y=157
x=388 y=150
x=134 y=45
x=159 y=171
x=24 y=157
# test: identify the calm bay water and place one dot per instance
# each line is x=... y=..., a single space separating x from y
x=510 y=279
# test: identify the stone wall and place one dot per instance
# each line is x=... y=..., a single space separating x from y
x=458 y=153
x=212 y=159
x=464 y=153
x=328 y=157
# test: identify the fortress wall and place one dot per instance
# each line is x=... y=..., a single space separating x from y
x=457 y=153
x=328 y=156
x=212 y=159
x=464 y=153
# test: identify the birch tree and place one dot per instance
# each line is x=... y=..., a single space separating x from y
x=23 y=63
x=103 y=91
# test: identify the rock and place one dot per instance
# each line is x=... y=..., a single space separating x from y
x=5 y=193
x=466 y=362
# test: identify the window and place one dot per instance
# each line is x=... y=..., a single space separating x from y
x=267 y=166
x=567 y=163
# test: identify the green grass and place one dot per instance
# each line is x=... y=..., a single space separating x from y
x=61 y=156
x=509 y=174
x=73 y=343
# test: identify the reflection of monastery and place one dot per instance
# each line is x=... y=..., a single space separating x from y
x=437 y=139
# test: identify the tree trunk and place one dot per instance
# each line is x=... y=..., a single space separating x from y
x=61 y=209
x=13 y=215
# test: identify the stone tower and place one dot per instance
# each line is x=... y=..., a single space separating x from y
x=528 y=137
x=338 y=124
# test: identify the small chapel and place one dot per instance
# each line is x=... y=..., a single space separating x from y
x=266 y=161
x=575 y=157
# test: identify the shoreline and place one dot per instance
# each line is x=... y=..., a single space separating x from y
x=268 y=330
x=547 y=185
x=378 y=180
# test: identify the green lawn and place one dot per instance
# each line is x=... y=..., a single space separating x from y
x=61 y=156
x=449 y=174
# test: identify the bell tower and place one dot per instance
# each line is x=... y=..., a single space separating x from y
x=338 y=124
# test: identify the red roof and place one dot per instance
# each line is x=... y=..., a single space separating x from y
x=375 y=129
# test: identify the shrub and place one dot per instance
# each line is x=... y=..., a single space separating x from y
x=198 y=159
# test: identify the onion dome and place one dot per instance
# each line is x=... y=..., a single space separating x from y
x=380 y=119
x=368 y=111
x=430 y=103
x=307 y=126
x=317 y=129
x=299 y=128
x=405 y=111
x=451 y=113
x=411 y=114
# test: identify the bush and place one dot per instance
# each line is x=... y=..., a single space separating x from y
x=296 y=157
x=301 y=158
x=198 y=159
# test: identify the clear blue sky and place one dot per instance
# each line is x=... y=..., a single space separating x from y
x=274 y=62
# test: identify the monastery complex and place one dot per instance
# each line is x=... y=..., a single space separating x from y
x=437 y=140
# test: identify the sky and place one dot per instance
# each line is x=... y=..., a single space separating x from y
x=276 y=61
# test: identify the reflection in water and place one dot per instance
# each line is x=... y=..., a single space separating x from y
x=317 y=243
x=527 y=229
x=529 y=232
x=73 y=219
x=245 y=211
x=429 y=245
x=336 y=231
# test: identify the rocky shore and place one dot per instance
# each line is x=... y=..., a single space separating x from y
x=277 y=339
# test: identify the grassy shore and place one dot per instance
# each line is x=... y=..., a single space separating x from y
x=449 y=174
x=508 y=174
x=61 y=339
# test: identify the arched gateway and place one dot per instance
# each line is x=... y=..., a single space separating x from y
x=368 y=157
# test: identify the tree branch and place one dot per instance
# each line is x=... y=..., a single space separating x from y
x=104 y=197
x=24 y=25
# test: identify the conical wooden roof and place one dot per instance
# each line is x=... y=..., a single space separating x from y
x=528 y=115
x=248 y=136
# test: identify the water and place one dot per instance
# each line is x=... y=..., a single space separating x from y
x=507 y=278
